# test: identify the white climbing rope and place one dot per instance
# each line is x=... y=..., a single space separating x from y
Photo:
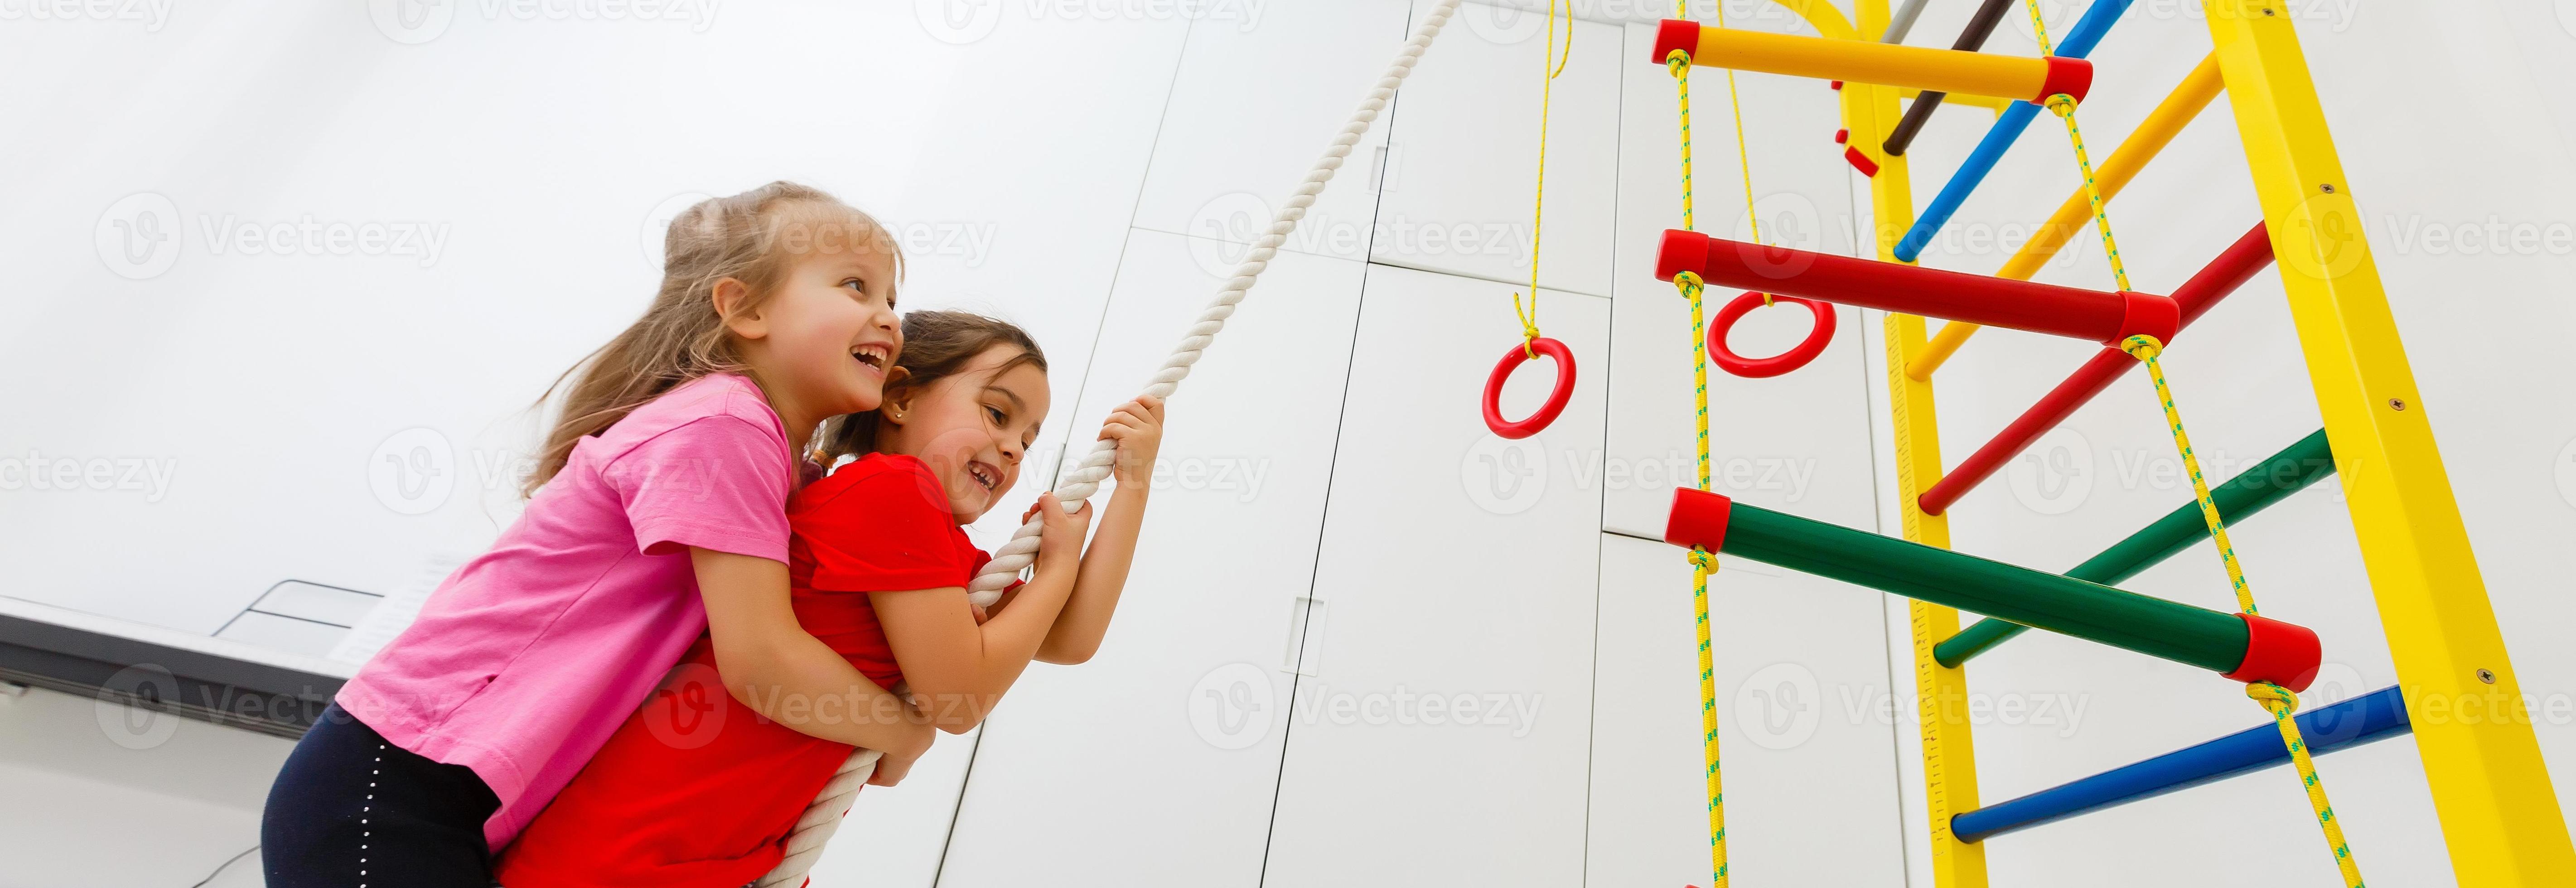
x=1075 y=486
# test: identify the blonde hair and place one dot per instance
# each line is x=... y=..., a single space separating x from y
x=750 y=237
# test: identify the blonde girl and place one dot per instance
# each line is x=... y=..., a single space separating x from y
x=657 y=513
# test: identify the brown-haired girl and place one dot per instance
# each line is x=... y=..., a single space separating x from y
x=695 y=791
x=656 y=515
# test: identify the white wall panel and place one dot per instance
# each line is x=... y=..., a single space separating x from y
x=1806 y=738
x=1254 y=103
x=1453 y=563
x=1149 y=764
x=1461 y=175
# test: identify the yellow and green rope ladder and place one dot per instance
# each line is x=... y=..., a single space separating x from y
x=1703 y=562
x=2277 y=700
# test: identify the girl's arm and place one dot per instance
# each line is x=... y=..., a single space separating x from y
x=772 y=665
x=1137 y=426
x=957 y=669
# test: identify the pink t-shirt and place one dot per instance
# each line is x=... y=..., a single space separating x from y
x=525 y=661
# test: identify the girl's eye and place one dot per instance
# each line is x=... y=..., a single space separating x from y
x=997 y=414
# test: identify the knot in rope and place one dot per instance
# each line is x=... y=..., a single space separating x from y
x=1529 y=323
x=1688 y=281
x=1678 y=61
x=2142 y=347
x=2273 y=697
x=1703 y=559
x=2062 y=103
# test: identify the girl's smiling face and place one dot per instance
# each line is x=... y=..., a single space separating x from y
x=972 y=429
x=833 y=332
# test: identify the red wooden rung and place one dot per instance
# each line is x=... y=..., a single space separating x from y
x=2102 y=317
x=2233 y=267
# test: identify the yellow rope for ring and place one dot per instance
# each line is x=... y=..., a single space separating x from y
x=1551 y=64
x=1703 y=563
x=1743 y=154
x=2275 y=699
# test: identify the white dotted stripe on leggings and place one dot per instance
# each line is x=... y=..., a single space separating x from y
x=370 y=806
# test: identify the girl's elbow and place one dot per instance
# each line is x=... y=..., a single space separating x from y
x=955 y=709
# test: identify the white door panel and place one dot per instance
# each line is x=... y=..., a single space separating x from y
x=1455 y=576
x=1464 y=153
x=1125 y=770
x=1807 y=741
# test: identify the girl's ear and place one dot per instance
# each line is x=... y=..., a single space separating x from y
x=898 y=397
x=730 y=294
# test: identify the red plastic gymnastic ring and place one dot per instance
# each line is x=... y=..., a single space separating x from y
x=1794 y=358
x=1555 y=399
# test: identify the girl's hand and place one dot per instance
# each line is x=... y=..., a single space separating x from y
x=1060 y=537
x=892 y=768
x=893 y=764
x=1137 y=426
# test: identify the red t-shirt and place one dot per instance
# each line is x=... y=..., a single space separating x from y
x=696 y=790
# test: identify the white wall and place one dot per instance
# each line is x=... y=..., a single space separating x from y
x=1092 y=177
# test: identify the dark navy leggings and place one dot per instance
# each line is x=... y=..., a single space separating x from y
x=350 y=810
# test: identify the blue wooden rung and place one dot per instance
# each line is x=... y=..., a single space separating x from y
x=2080 y=40
x=2373 y=716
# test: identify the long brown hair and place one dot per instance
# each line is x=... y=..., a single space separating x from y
x=936 y=345
x=752 y=237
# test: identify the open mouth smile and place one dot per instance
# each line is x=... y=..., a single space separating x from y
x=874 y=355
